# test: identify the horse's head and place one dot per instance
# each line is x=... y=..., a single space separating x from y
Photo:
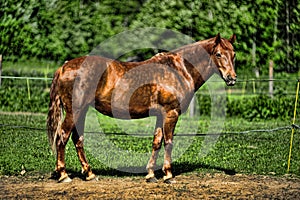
x=223 y=57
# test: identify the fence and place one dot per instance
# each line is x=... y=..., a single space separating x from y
x=29 y=88
x=243 y=87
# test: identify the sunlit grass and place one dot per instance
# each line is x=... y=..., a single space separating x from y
x=254 y=153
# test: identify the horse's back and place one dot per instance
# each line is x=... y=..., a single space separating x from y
x=125 y=89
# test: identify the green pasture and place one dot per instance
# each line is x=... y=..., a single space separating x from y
x=121 y=148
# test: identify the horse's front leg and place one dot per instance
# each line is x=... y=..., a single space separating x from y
x=169 y=127
x=157 y=140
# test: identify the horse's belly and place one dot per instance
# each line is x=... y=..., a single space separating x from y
x=128 y=101
x=123 y=109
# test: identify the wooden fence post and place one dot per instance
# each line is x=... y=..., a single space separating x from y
x=192 y=106
x=271 y=66
x=0 y=68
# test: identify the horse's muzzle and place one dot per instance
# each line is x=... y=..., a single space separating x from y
x=230 y=81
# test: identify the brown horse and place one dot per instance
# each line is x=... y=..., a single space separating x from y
x=161 y=86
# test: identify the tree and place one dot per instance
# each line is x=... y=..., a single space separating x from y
x=59 y=30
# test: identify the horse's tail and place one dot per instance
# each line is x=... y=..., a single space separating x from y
x=55 y=113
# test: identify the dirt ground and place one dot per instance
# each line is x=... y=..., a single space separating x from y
x=191 y=186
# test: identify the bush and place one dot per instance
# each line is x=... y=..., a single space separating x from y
x=251 y=107
x=261 y=107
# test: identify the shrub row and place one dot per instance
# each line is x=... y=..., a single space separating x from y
x=250 y=107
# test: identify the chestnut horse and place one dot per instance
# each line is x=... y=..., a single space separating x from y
x=161 y=86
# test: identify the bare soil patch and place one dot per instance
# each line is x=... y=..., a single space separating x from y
x=192 y=186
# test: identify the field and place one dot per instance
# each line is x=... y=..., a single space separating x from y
x=227 y=162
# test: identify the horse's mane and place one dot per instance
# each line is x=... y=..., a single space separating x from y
x=208 y=44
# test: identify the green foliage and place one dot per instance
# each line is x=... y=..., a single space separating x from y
x=258 y=25
x=251 y=107
x=59 y=30
x=261 y=107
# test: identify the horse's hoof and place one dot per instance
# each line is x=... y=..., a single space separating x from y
x=170 y=181
x=91 y=178
x=152 y=180
x=64 y=179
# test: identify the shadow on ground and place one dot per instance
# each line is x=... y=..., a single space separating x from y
x=178 y=168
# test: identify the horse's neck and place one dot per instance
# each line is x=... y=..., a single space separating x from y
x=198 y=58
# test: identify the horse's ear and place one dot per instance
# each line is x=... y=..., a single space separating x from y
x=232 y=38
x=218 y=39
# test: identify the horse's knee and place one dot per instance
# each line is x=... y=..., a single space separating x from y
x=172 y=114
x=156 y=145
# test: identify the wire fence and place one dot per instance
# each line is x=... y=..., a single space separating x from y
x=9 y=126
x=244 y=87
x=27 y=78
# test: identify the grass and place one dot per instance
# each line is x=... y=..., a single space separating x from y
x=111 y=154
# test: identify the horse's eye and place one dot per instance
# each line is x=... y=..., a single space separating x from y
x=218 y=55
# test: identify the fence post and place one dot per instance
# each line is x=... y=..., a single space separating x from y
x=0 y=68
x=271 y=64
x=28 y=88
x=253 y=86
x=192 y=106
x=293 y=127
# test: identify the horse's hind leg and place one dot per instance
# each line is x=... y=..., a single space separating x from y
x=157 y=141
x=78 y=138
x=61 y=142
